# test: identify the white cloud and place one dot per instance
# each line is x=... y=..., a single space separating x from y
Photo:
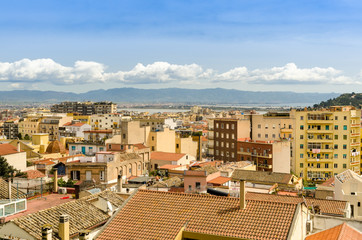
x=15 y=85
x=47 y=70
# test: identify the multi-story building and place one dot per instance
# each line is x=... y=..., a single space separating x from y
x=226 y=133
x=269 y=156
x=85 y=108
x=29 y=125
x=156 y=124
x=50 y=124
x=105 y=121
x=327 y=142
x=10 y=129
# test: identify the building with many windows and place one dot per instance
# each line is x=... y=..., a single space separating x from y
x=327 y=142
x=84 y=108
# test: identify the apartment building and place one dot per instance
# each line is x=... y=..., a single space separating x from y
x=327 y=142
x=29 y=125
x=10 y=129
x=269 y=156
x=156 y=124
x=105 y=121
x=225 y=134
x=50 y=124
x=84 y=108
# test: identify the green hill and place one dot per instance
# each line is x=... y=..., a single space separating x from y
x=354 y=99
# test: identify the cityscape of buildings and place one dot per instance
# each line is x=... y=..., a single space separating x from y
x=296 y=171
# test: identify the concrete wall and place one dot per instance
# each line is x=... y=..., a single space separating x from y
x=281 y=157
x=163 y=141
x=321 y=222
x=343 y=192
x=298 y=230
x=17 y=160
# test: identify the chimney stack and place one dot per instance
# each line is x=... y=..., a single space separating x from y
x=242 y=194
x=55 y=182
x=18 y=146
x=46 y=232
x=119 y=183
x=9 y=188
x=64 y=227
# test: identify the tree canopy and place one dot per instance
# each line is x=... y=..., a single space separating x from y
x=6 y=170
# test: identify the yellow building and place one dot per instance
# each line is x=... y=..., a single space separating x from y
x=29 y=125
x=86 y=119
x=327 y=142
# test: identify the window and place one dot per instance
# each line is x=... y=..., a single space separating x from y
x=266 y=126
x=301 y=117
x=301 y=127
x=327 y=127
x=344 y=127
x=227 y=126
x=101 y=149
x=273 y=135
x=326 y=165
x=73 y=148
x=124 y=136
x=335 y=127
x=344 y=165
x=153 y=148
x=344 y=156
x=233 y=136
x=216 y=143
x=335 y=156
x=227 y=145
x=301 y=165
x=232 y=154
x=217 y=134
x=301 y=146
x=232 y=145
x=345 y=117
x=130 y=169
x=177 y=145
x=198 y=185
x=75 y=175
x=222 y=126
x=217 y=152
x=344 y=146
x=336 y=137
x=273 y=126
x=259 y=125
x=318 y=165
x=336 y=118
x=222 y=144
x=227 y=136
x=335 y=165
x=101 y=175
x=301 y=155
x=335 y=146
x=190 y=187
x=217 y=125
x=259 y=135
x=266 y=136
x=222 y=135
x=301 y=136
x=232 y=126
x=153 y=138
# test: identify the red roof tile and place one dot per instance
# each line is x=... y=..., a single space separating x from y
x=327 y=207
x=328 y=183
x=166 y=156
x=140 y=146
x=98 y=131
x=219 y=180
x=6 y=149
x=340 y=232
x=169 y=166
x=33 y=174
x=161 y=215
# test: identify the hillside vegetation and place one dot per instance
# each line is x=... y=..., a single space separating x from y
x=354 y=99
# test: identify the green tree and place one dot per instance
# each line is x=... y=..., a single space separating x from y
x=6 y=170
x=20 y=137
x=26 y=137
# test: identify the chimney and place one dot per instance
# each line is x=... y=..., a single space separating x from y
x=9 y=189
x=64 y=227
x=46 y=232
x=18 y=146
x=119 y=183
x=55 y=182
x=242 y=194
x=84 y=234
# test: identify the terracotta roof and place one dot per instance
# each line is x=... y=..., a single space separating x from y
x=348 y=175
x=327 y=207
x=33 y=174
x=204 y=214
x=4 y=194
x=98 y=131
x=328 y=183
x=340 y=232
x=55 y=147
x=169 y=166
x=45 y=161
x=166 y=156
x=219 y=180
x=140 y=146
x=6 y=149
x=257 y=176
x=82 y=215
x=171 y=182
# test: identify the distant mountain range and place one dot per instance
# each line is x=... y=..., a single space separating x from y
x=167 y=95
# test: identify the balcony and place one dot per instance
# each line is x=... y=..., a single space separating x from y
x=355 y=125
x=244 y=153
x=315 y=169
x=320 y=131
x=323 y=140
x=355 y=134
x=320 y=121
x=322 y=150
x=265 y=166
x=355 y=144
x=319 y=160
x=286 y=130
x=354 y=162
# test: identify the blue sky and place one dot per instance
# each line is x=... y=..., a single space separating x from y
x=303 y=46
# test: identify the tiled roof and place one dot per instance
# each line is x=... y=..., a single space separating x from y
x=44 y=161
x=219 y=180
x=171 y=182
x=4 y=194
x=110 y=196
x=161 y=215
x=348 y=175
x=166 y=156
x=33 y=174
x=327 y=207
x=169 y=166
x=98 y=131
x=55 y=147
x=6 y=149
x=229 y=167
x=140 y=146
x=266 y=177
x=328 y=183
x=340 y=232
x=82 y=215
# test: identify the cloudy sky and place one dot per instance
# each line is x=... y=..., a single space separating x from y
x=301 y=46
